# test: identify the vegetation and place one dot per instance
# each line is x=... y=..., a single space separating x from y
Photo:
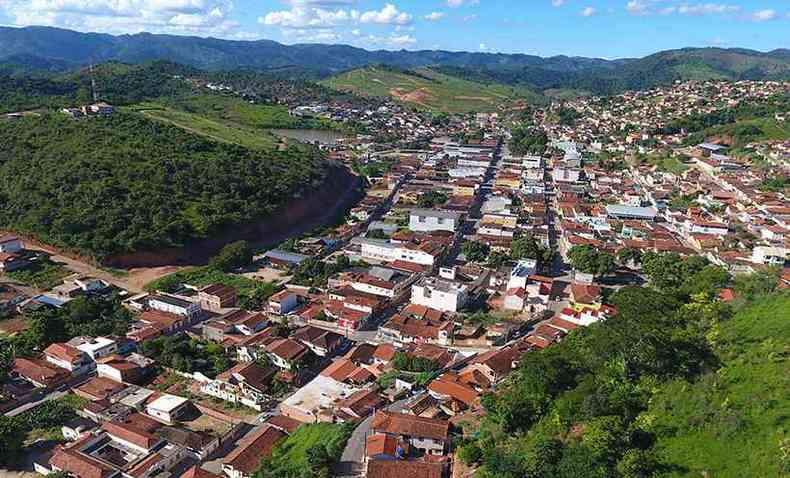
x=92 y=316
x=475 y=251
x=665 y=389
x=123 y=184
x=590 y=260
x=528 y=140
x=42 y=274
x=431 y=199
x=309 y=452
x=775 y=184
x=428 y=89
x=232 y=256
x=252 y=294
x=316 y=273
x=408 y=363
x=185 y=354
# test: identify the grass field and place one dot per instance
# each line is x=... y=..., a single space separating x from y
x=42 y=274
x=734 y=422
x=753 y=130
x=217 y=130
x=228 y=119
x=291 y=458
x=429 y=90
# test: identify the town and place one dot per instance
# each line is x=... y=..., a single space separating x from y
x=479 y=239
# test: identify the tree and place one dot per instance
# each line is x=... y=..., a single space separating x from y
x=752 y=286
x=589 y=260
x=637 y=463
x=431 y=199
x=232 y=256
x=525 y=247
x=629 y=255
x=604 y=436
x=475 y=251
x=12 y=436
x=6 y=359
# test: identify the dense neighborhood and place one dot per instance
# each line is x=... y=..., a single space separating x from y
x=478 y=240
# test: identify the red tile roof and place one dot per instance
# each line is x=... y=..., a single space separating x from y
x=246 y=457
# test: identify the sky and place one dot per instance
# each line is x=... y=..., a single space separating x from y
x=594 y=28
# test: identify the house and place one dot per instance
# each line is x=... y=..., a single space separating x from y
x=69 y=357
x=12 y=262
x=404 y=469
x=99 y=388
x=439 y=294
x=770 y=255
x=625 y=212
x=216 y=297
x=283 y=302
x=131 y=369
x=174 y=305
x=286 y=353
x=245 y=383
x=168 y=408
x=10 y=244
x=449 y=388
x=245 y=459
x=431 y=220
x=385 y=447
x=425 y=254
x=40 y=373
x=427 y=434
x=515 y=299
x=96 y=348
x=284 y=259
x=322 y=342
x=316 y=401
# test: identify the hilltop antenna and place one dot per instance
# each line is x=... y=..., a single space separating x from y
x=93 y=85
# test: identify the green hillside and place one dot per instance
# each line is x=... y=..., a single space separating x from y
x=427 y=89
x=126 y=183
x=227 y=118
x=677 y=384
x=734 y=422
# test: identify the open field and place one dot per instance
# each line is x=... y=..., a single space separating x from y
x=429 y=90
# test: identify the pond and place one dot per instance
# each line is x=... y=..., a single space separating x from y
x=323 y=136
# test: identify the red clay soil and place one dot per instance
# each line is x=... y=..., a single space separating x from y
x=317 y=208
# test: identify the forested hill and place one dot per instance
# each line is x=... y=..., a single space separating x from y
x=677 y=384
x=51 y=49
x=126 y=183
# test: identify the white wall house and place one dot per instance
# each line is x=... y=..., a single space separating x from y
x=174 y=305
x=167 y=408
x=439 y=294
x=520 y=273
x=383 y=250
x=429 y=220
x=770 y=255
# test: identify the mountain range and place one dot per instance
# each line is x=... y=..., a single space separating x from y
x=54 y=49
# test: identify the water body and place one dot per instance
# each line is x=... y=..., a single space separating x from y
x=323 y=136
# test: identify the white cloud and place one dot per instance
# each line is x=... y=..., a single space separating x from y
x=483 y=47
x=434 y=16
x=470 y=18
x=588 y=12
x=308 y=17
x=637 y=7
x=661 y=7
x=764 y=15
x=207 y=17
x=389 y=15
x=458 y=3
x=391 y=41
x=557 y=3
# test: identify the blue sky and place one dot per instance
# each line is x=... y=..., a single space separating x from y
x=601 y=28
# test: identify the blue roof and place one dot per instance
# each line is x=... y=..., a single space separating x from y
x=285 y=256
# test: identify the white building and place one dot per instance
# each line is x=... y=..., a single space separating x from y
x=439 y=294
x=386 y=251
x=174 y=305
x=429 y=220
x=520 y=273
x=96 y=348
x=167 y=408
x=770 y=255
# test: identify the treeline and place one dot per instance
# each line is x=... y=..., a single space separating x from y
x=90 y=316
x=124 y=183
x=753 y=109
x=116 y=83
x=580 y=408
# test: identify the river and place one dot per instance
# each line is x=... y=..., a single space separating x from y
x=323 y=136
